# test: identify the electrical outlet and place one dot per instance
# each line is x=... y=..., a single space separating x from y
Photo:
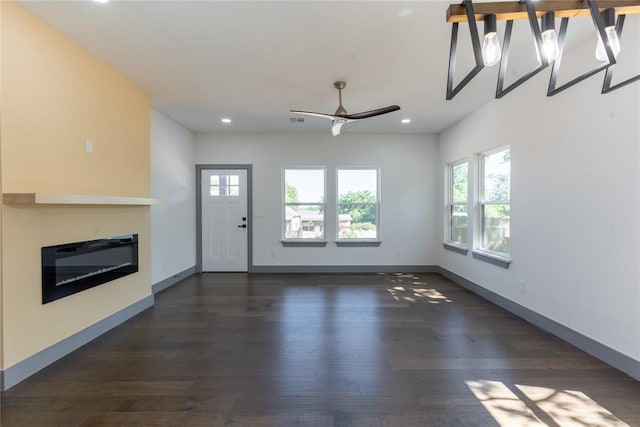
x=89 y=146
x=523 y=286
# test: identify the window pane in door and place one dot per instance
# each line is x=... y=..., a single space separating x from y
x=225 y=185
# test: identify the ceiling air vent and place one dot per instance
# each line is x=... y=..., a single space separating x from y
x=296 y=119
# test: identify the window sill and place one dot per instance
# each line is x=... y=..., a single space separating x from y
x=455 y=247
x=303 y=243
x=492 y=258
x=355 y=243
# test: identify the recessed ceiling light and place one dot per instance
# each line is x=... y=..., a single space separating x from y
x=101 y=1
x=225 y=120
x=405 y=121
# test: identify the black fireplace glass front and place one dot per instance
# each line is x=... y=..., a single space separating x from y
x=74 y=267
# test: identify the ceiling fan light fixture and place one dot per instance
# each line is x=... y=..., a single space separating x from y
x=340 y=117
x=336 y=127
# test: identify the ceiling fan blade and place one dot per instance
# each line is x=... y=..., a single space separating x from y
x=311 y=113
x=372 y=113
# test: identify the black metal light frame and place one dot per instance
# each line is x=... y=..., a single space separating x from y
x=543 y=62
x=525 y=9
x=598 y=22
x=477 y=52
x=606 y=87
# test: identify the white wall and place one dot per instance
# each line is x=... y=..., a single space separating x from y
x=173 y=222
x=409 y=176
x=575 y=204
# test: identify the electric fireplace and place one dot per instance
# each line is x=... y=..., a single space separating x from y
x=73 y=267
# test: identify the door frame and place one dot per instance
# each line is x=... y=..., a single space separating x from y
x=199 y=169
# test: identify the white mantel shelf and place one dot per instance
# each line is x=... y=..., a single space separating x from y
x=73 y=199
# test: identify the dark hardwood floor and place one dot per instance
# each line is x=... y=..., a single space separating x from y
x=324 y=350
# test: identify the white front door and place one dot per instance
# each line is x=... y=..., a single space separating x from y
x=224 y=220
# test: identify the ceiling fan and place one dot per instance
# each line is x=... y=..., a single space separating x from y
x=340 y=117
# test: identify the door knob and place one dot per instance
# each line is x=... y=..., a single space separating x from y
x=242 y=226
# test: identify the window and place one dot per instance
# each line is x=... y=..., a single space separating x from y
x=304 y=207
x=495 y=196
x=458 y=206
x=224 y=185
x=358 y=204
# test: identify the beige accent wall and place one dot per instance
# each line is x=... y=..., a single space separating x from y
x=31 y=326
x=56 y=96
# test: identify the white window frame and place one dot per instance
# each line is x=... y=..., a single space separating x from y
x=284 y=204
x=450 y=203
x=356 y=240
x=492 y=256
x=226 y=185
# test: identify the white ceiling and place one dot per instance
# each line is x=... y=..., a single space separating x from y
x=252 y=61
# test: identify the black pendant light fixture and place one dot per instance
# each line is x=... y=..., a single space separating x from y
x=543 y=62
x=607 y=58
x=549 y=44
x=453 y=52
x=607 y=87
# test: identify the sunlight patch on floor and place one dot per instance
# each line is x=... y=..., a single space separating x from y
x=411 y=288
x=503 y=404
x=570 y=408
x=566 y=408
x=432 y=296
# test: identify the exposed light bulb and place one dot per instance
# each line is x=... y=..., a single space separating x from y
x=336 y=126
x=225 y=120
x=550 y=46
x=491 y=52
x=490 y=46
x=609 y=17
x=614 y=44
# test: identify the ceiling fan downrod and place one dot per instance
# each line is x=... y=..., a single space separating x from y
x=340 y=85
